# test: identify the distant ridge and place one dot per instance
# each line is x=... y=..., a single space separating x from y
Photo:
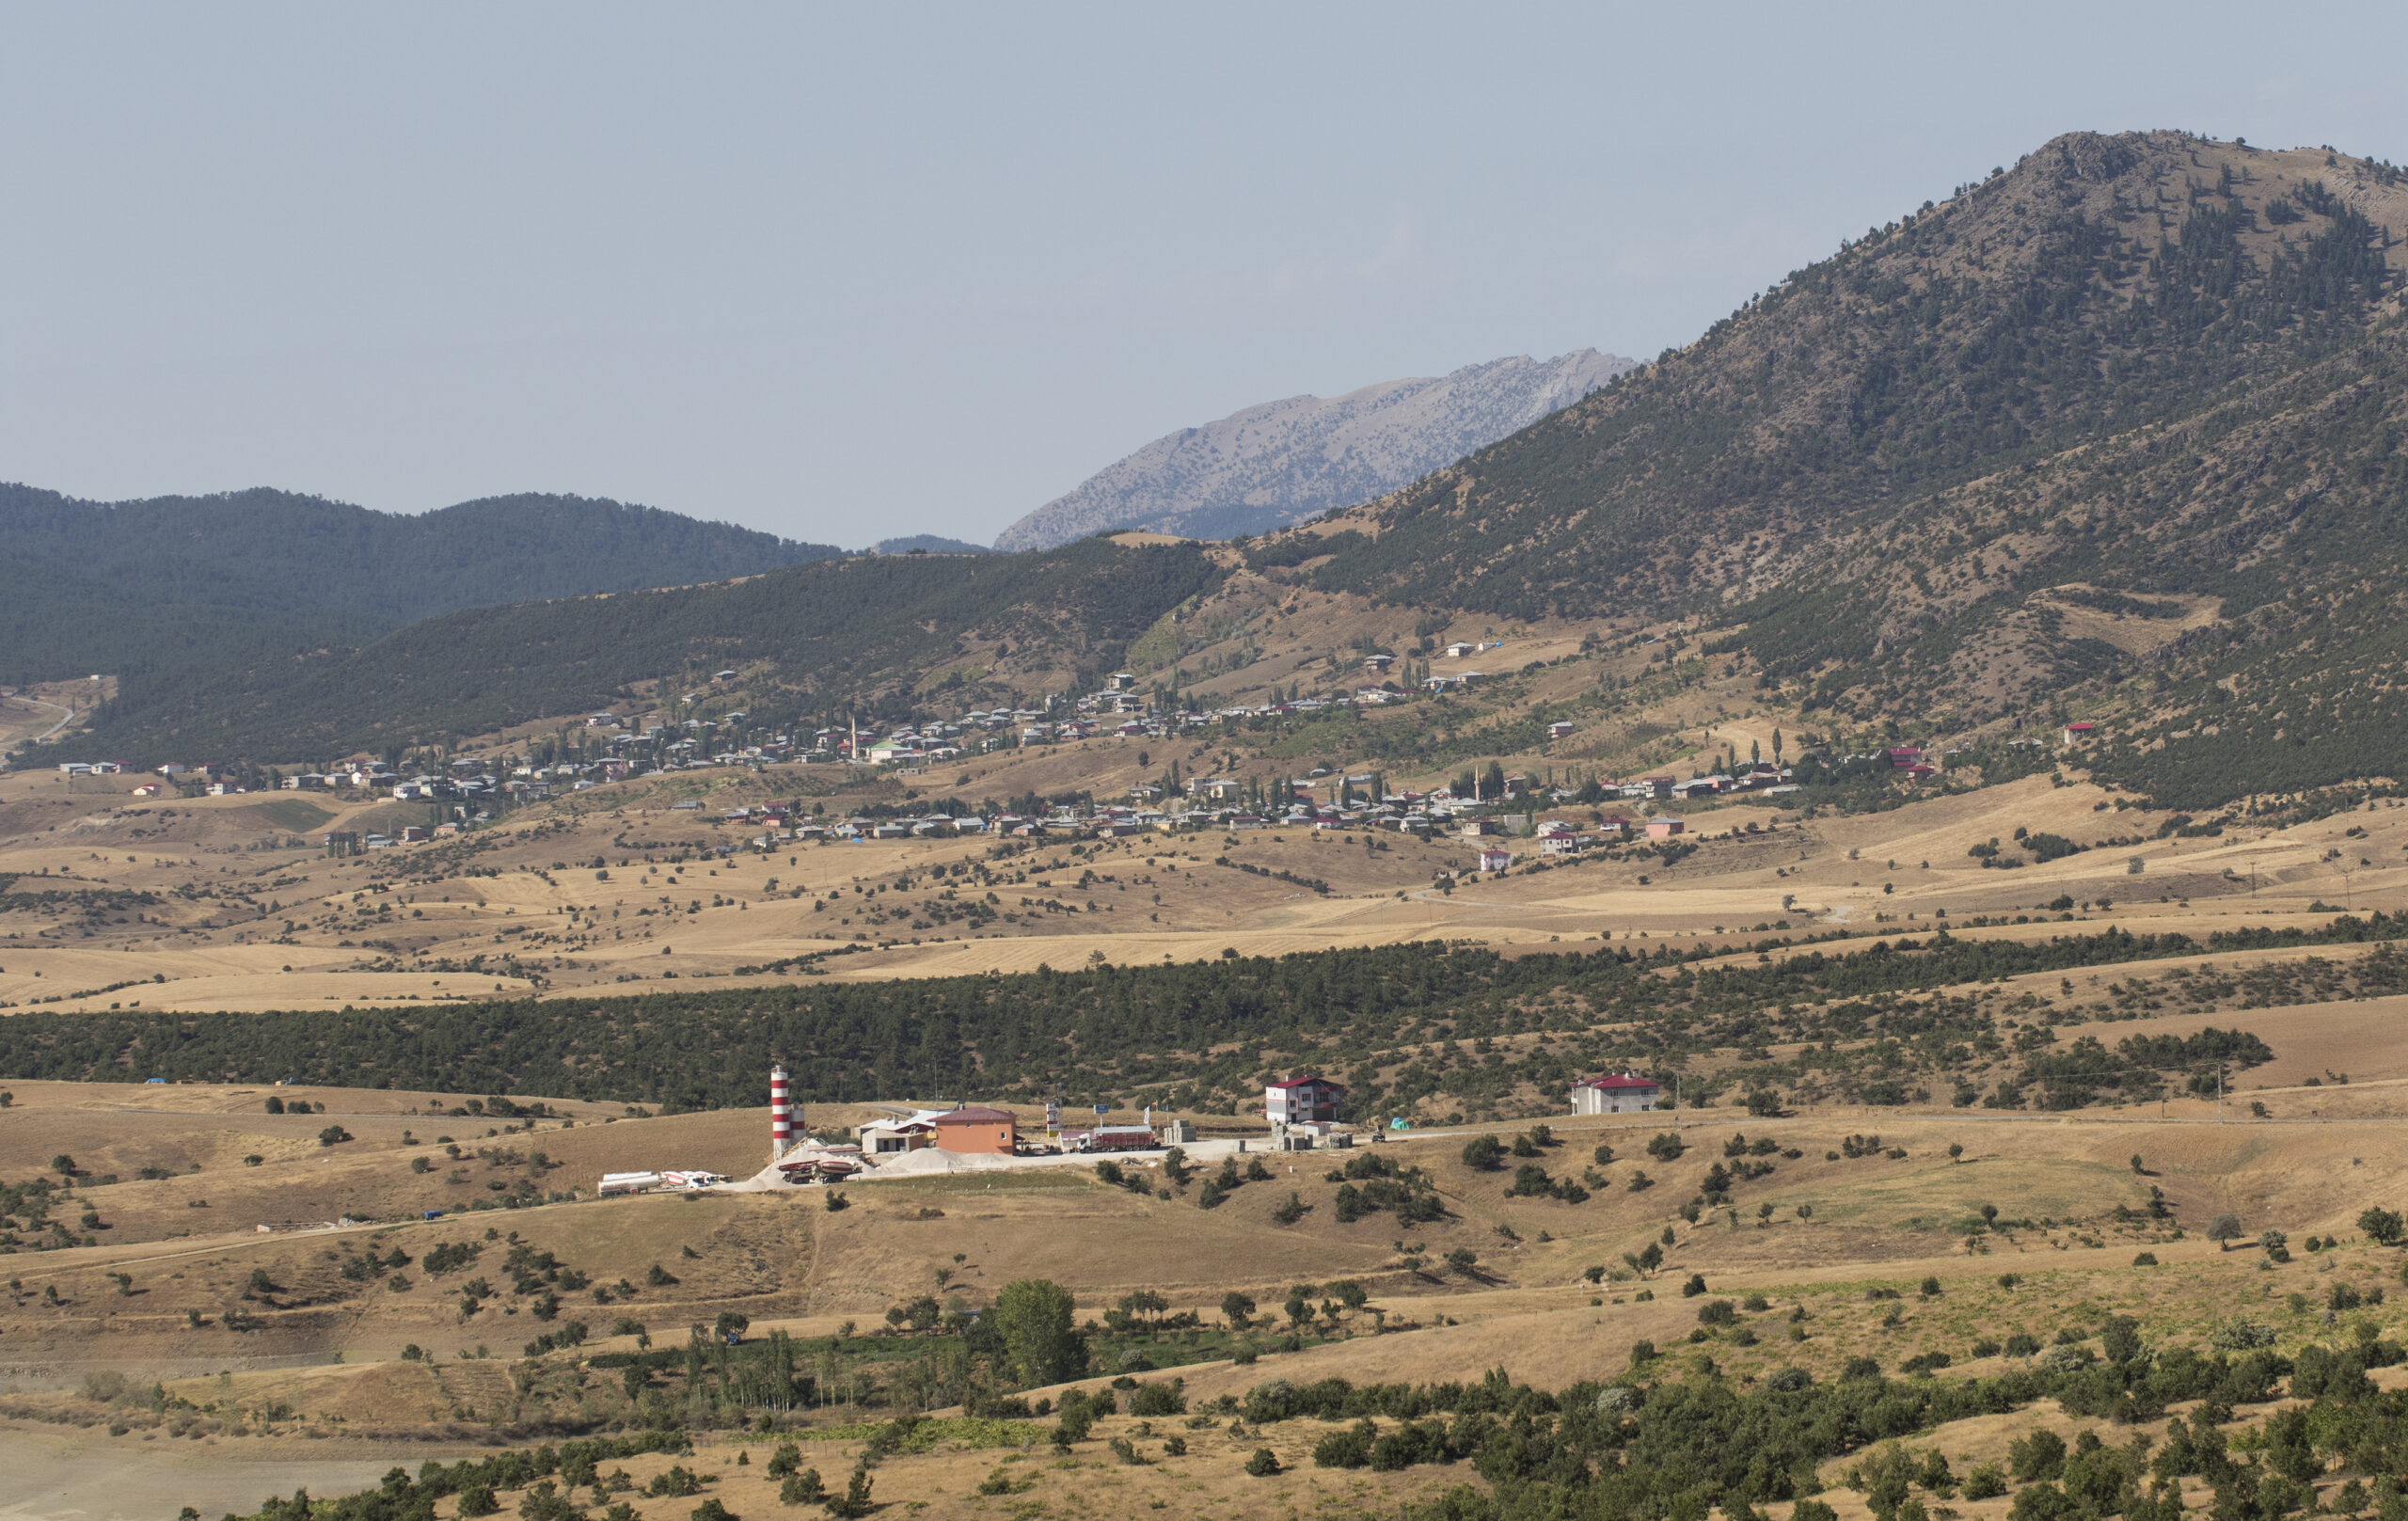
x=167 y=582
x=933 y=544
x=1283 y=462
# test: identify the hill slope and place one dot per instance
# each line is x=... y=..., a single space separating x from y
x=1982 y=464
x=169 y=581
x=852 y=632
x=1286 y=461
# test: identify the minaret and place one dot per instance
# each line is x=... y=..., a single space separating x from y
x=781 y=1115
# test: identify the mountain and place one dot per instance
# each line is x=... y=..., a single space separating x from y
x=143 y=586
x=2120 y=434
x=1283 y=462
x=2119 y=431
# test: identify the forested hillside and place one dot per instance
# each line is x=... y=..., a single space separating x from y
x=1953 y=473
x=175 y=582
x=837 y=631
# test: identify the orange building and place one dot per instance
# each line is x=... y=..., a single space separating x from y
x=976 y=1129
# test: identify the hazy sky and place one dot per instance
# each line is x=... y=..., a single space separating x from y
x=893 y=269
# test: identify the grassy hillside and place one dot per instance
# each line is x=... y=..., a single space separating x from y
x=172 y=582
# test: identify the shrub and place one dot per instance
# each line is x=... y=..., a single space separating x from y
x=1716 y=1312
x=711 y=1510
x=1263 y=1464
x=2237 y=1335
x=2037 y=1455
x=1347 y=1449
x=678 y=1481
x=1482 y=1153
x=1695 y=1286
x=333 y=1136
x=855 y=1500
x=1987 y=1482
x=2144 y=1259
x=1160 y=1398
x=1667 y=1147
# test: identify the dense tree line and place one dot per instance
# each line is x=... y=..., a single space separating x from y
x=1398 y=1023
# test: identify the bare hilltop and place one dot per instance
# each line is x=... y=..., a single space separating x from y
x=1282 y=462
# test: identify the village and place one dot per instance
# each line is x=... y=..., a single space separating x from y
x=468 y=791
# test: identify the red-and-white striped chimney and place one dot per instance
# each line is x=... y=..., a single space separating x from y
x=781 y=1115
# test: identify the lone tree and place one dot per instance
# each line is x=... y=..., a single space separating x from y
x=1040 y=1346
x=2383 y=1225
x=2224 y=1230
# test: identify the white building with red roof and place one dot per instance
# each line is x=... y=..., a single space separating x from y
x=1302 y=1101
x=1620 y=1093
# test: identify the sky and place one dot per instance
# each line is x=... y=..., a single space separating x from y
x=849 y=275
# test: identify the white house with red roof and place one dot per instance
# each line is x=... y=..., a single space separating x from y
x=1620 y=1093
x=1302 y=1101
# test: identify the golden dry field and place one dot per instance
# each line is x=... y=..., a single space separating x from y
x=229 y=903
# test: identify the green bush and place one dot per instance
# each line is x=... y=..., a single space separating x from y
x=804 y=1488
